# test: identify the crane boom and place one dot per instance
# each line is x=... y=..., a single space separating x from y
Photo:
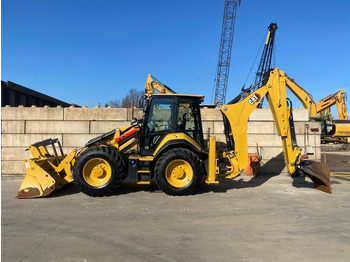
x=264 y=65
x=266 y=57
x=224 y=60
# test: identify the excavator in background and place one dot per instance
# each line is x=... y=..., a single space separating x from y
x=167 y=146
x=323 y=107
x=333 y=131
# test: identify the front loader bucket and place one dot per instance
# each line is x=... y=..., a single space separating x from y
x=36 y=183
x=319 y=173
x=46 y=172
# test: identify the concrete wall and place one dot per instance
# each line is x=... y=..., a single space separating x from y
x=22 y=126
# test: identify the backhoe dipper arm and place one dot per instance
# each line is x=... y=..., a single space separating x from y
x=236 y=121
x=304 y=97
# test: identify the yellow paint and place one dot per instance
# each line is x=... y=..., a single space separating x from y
x=238 y=114
x=213 y=169
x=179 y=173
x=97 y=172
x=176 y=136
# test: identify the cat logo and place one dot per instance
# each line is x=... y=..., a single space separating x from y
x=255 y=98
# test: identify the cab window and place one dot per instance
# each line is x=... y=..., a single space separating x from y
x=189 y=119
x=159 y=121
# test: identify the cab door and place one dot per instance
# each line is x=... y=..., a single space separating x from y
x=159 y=121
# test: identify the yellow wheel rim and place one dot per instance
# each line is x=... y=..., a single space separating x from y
x=179 y=173
x=97 y=172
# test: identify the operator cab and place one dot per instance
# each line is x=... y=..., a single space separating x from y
x=167 y=114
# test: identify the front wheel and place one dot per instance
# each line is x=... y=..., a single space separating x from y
x=98 y=171
x=178 y=172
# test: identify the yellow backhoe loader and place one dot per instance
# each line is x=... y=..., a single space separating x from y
x=167 y=146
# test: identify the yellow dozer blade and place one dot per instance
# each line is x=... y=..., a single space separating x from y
x=46 y=172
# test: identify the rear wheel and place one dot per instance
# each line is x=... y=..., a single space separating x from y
x=178 y=172
x=98 y=171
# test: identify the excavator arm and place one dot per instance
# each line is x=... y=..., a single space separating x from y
x=153 y=84
x=338 y=99
x=236 y=121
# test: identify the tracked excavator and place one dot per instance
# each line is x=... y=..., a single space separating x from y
x=323 y=107
x=167 y=145
x=335 y=130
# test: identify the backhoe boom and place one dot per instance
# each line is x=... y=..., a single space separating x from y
x=236 y=121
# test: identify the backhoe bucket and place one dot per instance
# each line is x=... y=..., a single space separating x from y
x=46 y=172
x=319 y=173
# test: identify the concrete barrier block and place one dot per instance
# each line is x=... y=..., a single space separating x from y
x=261 y=127
x=72 y=113
x=25 y=140
x=219 y=127
x=206 y=125
x=264 y=114
x=300 y=114
x=76 y=140
x=101 y=127
x=32 y=113
x=14 y=153
x=12 y=168
x=57 y=127
x=300 y=127
x=211 y=114
x=220 y=137
x=264 y=140
x=261 y=114
x=137 y=113
x=314 y=140
x=12 y=127
x=268 y=152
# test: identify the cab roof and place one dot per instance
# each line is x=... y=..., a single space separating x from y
x=182 y=95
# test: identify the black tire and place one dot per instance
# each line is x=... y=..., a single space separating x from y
x=178 y=172
x=98 y=171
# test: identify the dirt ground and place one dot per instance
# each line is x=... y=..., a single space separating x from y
x=267 y=218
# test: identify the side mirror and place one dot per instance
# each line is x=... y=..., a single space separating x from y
x=141 y=102
x=134 y=121
x=144 y=104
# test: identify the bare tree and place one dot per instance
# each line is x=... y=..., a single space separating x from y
x=114 y=103
x=133 y=94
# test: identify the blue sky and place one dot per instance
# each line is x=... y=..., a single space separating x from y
x=90 y=52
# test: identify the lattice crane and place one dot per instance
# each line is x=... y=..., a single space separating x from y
x=223 y=68
x=266 y=57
